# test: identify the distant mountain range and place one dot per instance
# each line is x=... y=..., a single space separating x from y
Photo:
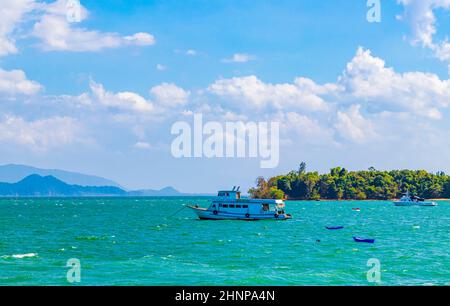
x=167 y=192
x=26 y=181
x=48 y=186
x=14 y=173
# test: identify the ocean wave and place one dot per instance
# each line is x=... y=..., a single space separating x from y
x=91 y=238
x=20 y=256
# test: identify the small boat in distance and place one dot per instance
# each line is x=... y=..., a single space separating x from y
x=408 y=200
x=334 y=228
x=363 y=240
x=230 y=206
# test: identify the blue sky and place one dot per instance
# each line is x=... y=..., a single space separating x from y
x=70 y=112
x=289 y=38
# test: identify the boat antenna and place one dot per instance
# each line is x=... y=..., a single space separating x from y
x=234 y=187
x=238 y=188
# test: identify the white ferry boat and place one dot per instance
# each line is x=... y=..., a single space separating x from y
x=230 y=206
x=408 y=200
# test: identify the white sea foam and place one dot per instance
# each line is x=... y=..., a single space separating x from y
x=20 y=256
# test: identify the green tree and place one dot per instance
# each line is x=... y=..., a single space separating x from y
x=276 y=193
x=446 y=192
x=302 y=168
x=342 y=184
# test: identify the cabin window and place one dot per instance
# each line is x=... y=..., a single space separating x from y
x=214 y=205
x=231 y=205
x=220 y=205
x=225 y=206
x=245 y=206
x=265 y=207
x=238 y=206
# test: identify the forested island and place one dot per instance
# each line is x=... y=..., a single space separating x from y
x=341 y=184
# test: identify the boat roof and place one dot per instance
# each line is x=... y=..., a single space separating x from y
x=251 y=201
x=234 y=195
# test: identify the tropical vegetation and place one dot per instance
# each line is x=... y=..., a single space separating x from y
x=341 y=184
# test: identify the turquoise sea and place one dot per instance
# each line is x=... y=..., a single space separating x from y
x=133 y=241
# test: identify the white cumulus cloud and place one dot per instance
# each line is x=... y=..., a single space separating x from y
x=11 y=14
x=251 y=92
x=420 y=14
x=352 y=109
x=142 y=145
x=126 y=101
x=41 y=134
x=57 y=33
x=15 y=82
x=381 y=88
x=161 y=67
x=353 y=126
x=191 y=52
x=170 y=95
x=239 y=58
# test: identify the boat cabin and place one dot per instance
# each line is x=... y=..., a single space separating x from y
x=230 y=201
x=229 y=195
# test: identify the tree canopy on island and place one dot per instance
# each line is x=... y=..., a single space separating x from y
x=341 y=184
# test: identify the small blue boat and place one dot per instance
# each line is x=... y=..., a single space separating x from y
x=334 y=228
x=364 y=240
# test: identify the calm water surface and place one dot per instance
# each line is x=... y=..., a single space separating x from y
x=134 y=242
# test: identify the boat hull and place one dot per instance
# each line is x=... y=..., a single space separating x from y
x=363 y=240
x=334 y=228
x=205 y=214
